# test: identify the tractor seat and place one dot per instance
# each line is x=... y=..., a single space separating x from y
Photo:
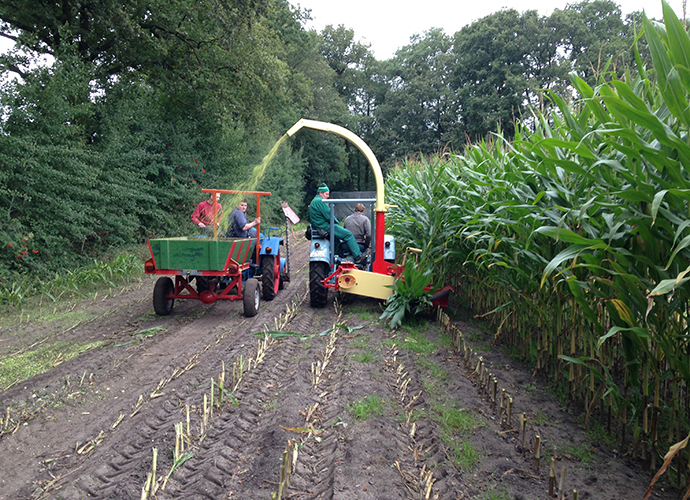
x=321 y=233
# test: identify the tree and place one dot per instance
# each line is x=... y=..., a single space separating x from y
x=596 y=33
x=494 y=63
x=117 y=36
x=419 y=110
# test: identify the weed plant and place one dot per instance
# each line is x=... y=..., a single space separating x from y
x=367 y=407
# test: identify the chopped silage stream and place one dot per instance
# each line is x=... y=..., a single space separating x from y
x=340 y=408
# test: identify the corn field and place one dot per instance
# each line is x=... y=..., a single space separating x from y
x=572 y=242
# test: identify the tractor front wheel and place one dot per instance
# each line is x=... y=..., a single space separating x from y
x=251 y=297
x=161 y=303
x=318 y=293
x=270 y=276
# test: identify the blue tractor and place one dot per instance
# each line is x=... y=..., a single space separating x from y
x=328 y=257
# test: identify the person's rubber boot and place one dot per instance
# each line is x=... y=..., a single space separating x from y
x=361 y=260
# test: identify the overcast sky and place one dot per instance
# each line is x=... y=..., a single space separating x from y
x=388 y=25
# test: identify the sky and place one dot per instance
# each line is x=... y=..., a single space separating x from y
x=388 y=25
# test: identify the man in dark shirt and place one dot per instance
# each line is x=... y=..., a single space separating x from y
x=238 y=225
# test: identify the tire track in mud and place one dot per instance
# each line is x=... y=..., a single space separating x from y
x=250 y=437
x=118 y=469
x=424 y=464
x=408 y=457
x=243 y=439
x=333 y=466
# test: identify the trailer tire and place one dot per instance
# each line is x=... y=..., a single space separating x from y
x=251 y=297
x=270 y=276
x=161 y=304
x=318 y=293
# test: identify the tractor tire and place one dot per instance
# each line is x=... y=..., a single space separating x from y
x=270 y=276
x=251 y=297
x=318 y=293
x=161 y=303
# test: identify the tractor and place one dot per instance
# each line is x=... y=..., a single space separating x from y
x=329 y=268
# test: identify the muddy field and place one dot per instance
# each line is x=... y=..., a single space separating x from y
x=363 y=411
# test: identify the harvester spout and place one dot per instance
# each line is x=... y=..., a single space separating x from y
x=354 y=139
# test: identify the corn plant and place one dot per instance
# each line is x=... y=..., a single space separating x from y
x=572 y=240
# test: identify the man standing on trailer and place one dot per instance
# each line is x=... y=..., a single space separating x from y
x=203 y=214
x=319 y=216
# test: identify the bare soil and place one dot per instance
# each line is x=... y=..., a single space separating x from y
x=87 y=428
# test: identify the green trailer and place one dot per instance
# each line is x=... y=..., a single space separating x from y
x=219 y=267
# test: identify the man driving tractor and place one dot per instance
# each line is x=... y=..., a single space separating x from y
x=319 y=217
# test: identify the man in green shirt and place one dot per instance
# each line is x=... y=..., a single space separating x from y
x=320 y=217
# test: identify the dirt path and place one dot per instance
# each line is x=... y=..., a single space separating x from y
x=370 y=413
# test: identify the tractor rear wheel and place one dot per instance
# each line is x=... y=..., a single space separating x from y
x=251 y=297
x=161 y=303
x=270 y=276
x=318 y=293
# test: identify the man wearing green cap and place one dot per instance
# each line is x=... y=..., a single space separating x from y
x=320 y=217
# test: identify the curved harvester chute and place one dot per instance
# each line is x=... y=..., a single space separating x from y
x=379 y=266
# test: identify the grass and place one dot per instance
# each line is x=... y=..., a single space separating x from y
x=413 y=336
x=419 y=344
x=367 y=407
x=417 y=414
x=25 y=365
x=456 y=426
x=464 y=455
x=361 y=341
x=433 y=369
x=12 y=325
x=598 y=434
x=496 y=494
x=71 y=283
x=541 y=418
x=581 y=452
x=455 y=419
x=363 y=312
x=530 y=388
x=365 y=356
x=446 y=341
